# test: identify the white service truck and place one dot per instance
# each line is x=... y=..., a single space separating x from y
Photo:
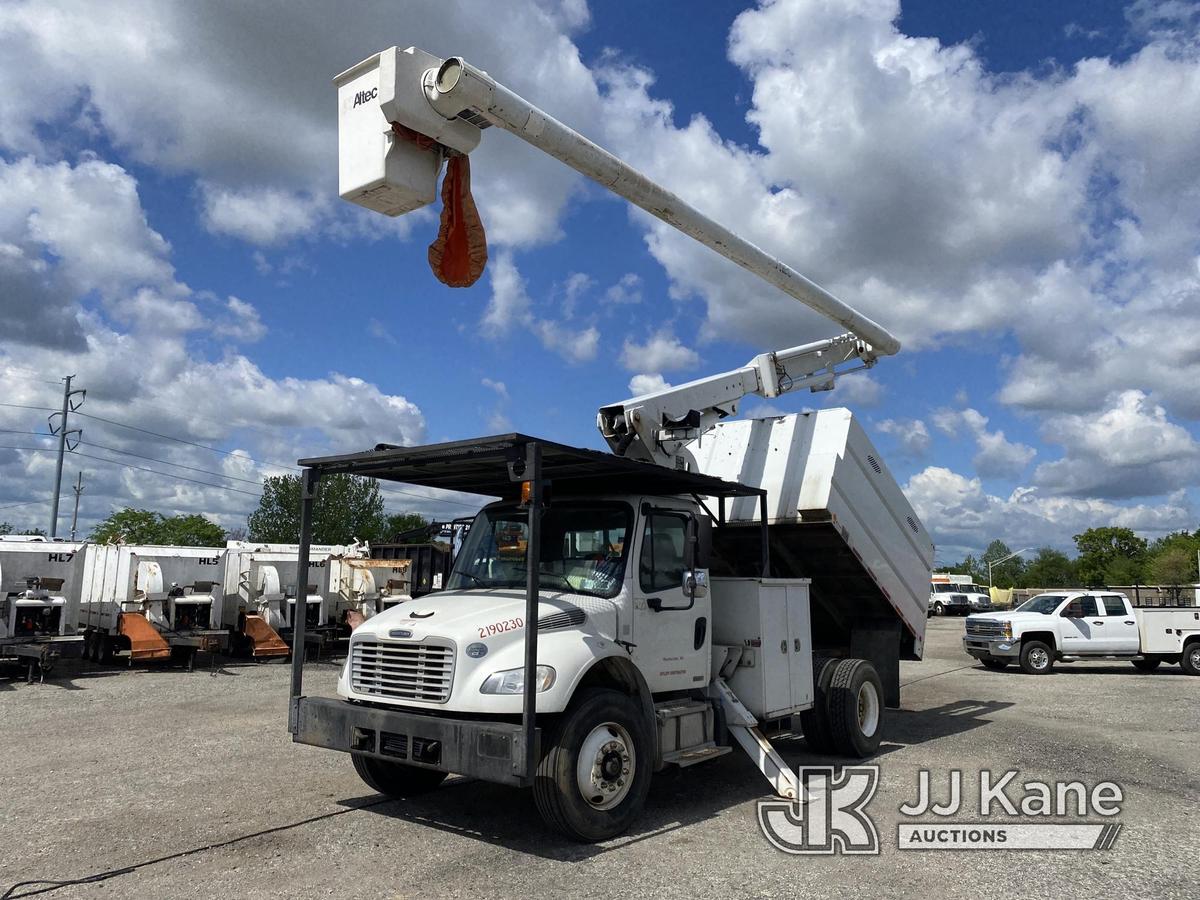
x=1069 y=626
x=616 y=613
x=39 y=591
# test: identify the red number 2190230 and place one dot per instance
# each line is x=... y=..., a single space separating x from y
x=501 y=627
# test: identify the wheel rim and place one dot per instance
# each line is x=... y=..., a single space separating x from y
x=606 y=766
x=938 y=609
x=1194 y=657
x=1038 y=658
x=868 y=709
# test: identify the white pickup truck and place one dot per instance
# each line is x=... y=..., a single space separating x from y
x=1072 y=625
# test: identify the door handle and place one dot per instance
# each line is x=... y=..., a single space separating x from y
x=796 y=644
x=1130 y=622
x=1097 y=623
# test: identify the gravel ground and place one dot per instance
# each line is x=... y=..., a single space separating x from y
x=161 y=783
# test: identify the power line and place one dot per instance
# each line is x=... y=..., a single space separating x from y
x=219 y=487
x=26 y=503
x=166 y=462
x=9 y=370
x=24 y=406
x=169 y=437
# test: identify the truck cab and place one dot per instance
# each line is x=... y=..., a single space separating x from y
x=1067 y=626
x=951 y=594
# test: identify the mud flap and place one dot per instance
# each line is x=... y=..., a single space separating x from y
x=144 y=640
x=264 y=641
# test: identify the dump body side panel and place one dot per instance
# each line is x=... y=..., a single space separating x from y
x=835 y=512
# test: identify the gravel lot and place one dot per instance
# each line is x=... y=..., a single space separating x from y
x=161 y=783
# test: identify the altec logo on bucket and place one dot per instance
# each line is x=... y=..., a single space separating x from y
x=832 y=815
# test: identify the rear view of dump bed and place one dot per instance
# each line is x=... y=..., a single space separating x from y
x=836 y=515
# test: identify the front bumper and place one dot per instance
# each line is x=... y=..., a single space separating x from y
x=981 y=647
x=489 y=751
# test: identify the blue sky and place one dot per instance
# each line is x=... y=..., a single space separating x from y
x=1011 y=187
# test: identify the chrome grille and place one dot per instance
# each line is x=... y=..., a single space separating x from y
x=984 y=628
x=405 y=671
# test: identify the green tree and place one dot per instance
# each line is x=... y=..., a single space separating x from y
x=348 y=508
x=1050 y=568
x=1110 y=555
x=1005 y=574
x=398 y=523
x=142 y=526
x=1173 y=566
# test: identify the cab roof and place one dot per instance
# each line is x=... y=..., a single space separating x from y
x=491 y=466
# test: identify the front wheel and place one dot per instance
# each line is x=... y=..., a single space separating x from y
x=1036 y=658
x=395 y=779
x=592 y=780
x=939 y=609
x=994 y=663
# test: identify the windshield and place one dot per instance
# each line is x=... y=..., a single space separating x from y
x=942 y=588
x=584 y=546
x=1045 y=604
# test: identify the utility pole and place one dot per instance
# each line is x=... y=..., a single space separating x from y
x=68 y=406
x=996 y=562
x=78 y=489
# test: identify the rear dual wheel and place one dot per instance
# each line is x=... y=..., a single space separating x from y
x=847 y=713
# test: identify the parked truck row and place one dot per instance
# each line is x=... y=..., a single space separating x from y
x=110 y=602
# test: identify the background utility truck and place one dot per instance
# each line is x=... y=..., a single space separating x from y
x=616 y=613
x=951 y=594
x=1076 y=625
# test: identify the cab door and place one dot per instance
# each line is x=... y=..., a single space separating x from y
x=1079 y=622
x=1120 y=627
x=670 y=623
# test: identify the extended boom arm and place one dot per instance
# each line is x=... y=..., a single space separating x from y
x=654 y=426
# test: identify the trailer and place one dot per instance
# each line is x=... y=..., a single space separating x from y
x=367 y=586
x=40 y=585
x=260 y=596
x=143 y=603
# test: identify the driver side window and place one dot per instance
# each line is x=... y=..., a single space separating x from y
x=664 y=549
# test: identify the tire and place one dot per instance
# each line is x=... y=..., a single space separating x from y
x=395 y=779
x=855 y=708
x=106 y=649
x=596 y=800
x=1190 y=661
x=939 y=609
x=814 y=723
x=994 y=663
x=1146 y=663
x=1036 y=658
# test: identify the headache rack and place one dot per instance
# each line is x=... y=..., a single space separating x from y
x=513 y=467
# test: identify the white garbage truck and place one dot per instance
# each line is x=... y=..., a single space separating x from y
x=39 y=587
x=142 y=603
x=615 y=613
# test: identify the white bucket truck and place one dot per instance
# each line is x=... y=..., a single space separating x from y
x=616 y=613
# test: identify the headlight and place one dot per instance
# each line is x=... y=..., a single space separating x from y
x=1007 y=630
x=512 y=681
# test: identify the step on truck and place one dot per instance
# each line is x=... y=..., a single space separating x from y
x=612 y=614
x=1072 y=626
x=144 y=603
x=39 y=590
